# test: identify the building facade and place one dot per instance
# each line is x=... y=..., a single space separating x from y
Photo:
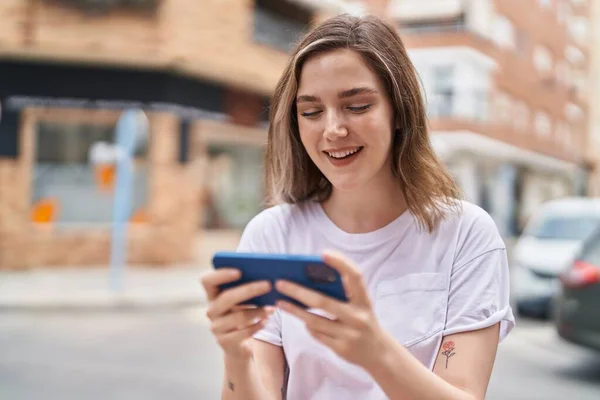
x=201 y=71
x=594 y=115
x=507 y=85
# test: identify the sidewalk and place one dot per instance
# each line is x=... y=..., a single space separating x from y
x=88 y=288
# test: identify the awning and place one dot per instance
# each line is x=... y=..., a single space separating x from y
x=447 y=144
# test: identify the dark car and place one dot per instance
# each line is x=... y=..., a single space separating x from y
x=578 y=304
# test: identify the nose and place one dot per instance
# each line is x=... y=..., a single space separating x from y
x=335 y=127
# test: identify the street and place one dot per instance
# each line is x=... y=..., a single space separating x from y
x=169 y=354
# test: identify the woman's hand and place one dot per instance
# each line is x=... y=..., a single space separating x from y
x=354 y=333
x=232 y=324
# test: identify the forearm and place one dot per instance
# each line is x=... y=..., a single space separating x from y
x=242 y=380
x=401 y=376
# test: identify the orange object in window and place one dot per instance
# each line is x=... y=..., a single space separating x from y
x=105 y=176
x=44 y=211
x=140 y=216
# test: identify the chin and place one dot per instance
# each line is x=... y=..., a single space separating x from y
x=345 y=185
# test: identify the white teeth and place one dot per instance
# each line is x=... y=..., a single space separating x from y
x=342 y=154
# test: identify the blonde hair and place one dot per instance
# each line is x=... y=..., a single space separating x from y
x=292 y=177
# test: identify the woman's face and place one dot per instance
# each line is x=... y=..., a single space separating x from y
x=345 y=119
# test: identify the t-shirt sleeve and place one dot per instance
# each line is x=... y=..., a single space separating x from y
x=479 y=295
x=260 y=236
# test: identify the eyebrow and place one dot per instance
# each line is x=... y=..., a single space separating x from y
x=342 y=95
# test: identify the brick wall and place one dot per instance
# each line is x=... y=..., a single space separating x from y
x=212 y=39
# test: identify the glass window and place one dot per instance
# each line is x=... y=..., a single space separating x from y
x=578 y=28
x=564 y=228
x=67 y=188
x=234 y=189
x=443 y=91
x=504 y=32
x=481 y=105
x=279 y=23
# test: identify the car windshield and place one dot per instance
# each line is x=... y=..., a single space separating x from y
x=564 y=228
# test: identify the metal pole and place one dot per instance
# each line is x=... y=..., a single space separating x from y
x=131 y=127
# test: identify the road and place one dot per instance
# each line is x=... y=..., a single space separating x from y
x=171 y=355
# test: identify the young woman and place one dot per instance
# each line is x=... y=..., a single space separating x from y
x=351 y=166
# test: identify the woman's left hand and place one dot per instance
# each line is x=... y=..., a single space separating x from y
x=354 y=333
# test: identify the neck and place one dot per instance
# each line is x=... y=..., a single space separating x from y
x=365 y=209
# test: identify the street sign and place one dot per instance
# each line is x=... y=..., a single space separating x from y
x=131 y=132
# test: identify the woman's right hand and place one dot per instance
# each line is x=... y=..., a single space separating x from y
x=233 y=324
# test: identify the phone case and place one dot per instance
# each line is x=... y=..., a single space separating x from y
x=308 y=271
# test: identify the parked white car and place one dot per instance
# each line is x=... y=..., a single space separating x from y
x=547 y=247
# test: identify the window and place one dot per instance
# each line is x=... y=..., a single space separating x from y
x=543 y=125
x=280 y=23
x=574 y=113
x=443 y=91
x=566 y=228
x=79 y=192
x=104 y=6
x=234 y=190
x=578 y=28
x=481 y=105
x=504 y=32
x=542 y=59
x=447 y=25
x=574 y=55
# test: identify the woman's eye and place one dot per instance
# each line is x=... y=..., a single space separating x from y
x=311 y=114
x=359 y=109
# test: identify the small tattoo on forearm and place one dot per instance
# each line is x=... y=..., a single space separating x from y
x=231 y=386
x=448 y=348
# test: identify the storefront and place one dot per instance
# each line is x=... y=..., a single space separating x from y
x=507 y=181
x=198 y=171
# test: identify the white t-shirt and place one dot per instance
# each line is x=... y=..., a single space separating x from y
x=423 y=287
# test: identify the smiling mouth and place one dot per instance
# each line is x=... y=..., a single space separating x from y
x=341 y=155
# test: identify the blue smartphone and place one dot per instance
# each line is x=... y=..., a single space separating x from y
x=308 y=271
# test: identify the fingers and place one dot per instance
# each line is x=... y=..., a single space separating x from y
x=240 y=319
x=351 y=277
x=214 y=279
x=313 y=299
x=233 y=338
x=314 y=323
x=229 y=298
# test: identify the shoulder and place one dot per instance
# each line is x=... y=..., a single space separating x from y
x=474 y=231
x=266 y=231
x=276 y=217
